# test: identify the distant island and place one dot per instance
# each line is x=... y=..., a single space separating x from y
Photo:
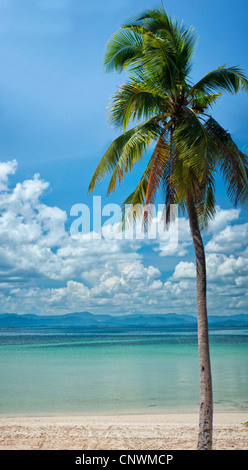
x=87 y=319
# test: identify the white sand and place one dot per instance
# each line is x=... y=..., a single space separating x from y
x=122 y=432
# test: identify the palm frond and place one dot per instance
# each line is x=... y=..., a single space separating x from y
x=182 y=39
x=142 y=134
x=133 y=204
x=194 y=143
x=205 y=208
x=201 y=101
x=222 y=79
x=232 y=162
x=133 y=151
x=124 y=46
x=159 y=60
x=160 y=158
x=136 y=100
x=168 y=183
x=194 y=170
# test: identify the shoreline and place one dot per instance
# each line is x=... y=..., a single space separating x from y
x=177 y=431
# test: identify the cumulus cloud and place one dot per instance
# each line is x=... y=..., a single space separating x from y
x=229 y=240
x=6 y=169
x=36 y=247
x=45 y=270
x=125 y=287
x=184 y=270
x=222 y=218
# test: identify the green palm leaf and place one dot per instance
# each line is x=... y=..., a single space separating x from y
x=227 y=79
x=136 y=199
x=136 y=100
x=124 y=46
x=124 y=152
x=156 y=52
x=232 y=163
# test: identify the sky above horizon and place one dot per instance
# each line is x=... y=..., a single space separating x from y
x=54 y=130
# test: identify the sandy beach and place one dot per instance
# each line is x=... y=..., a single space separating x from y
x=122 y=432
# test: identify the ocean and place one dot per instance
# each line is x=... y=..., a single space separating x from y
x=57 y=371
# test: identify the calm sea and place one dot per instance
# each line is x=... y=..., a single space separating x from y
x=47 y=371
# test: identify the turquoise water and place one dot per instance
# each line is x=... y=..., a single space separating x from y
x=45 y=371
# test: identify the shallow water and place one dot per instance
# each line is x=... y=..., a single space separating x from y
x=50 y=371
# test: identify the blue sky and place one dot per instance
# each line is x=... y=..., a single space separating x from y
x=53 y=98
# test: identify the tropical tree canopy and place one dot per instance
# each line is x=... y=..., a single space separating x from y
x=171 y=117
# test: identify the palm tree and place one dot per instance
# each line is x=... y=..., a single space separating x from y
x=189 y=146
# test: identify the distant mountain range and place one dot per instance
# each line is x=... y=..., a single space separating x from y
x=86 y=319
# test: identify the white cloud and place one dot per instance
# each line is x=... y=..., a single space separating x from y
x=6 y=169
x=222 y=218
x=229 y=240
x=44 y=270
x=184 y=270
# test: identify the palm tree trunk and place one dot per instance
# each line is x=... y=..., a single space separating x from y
x=206 y=396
